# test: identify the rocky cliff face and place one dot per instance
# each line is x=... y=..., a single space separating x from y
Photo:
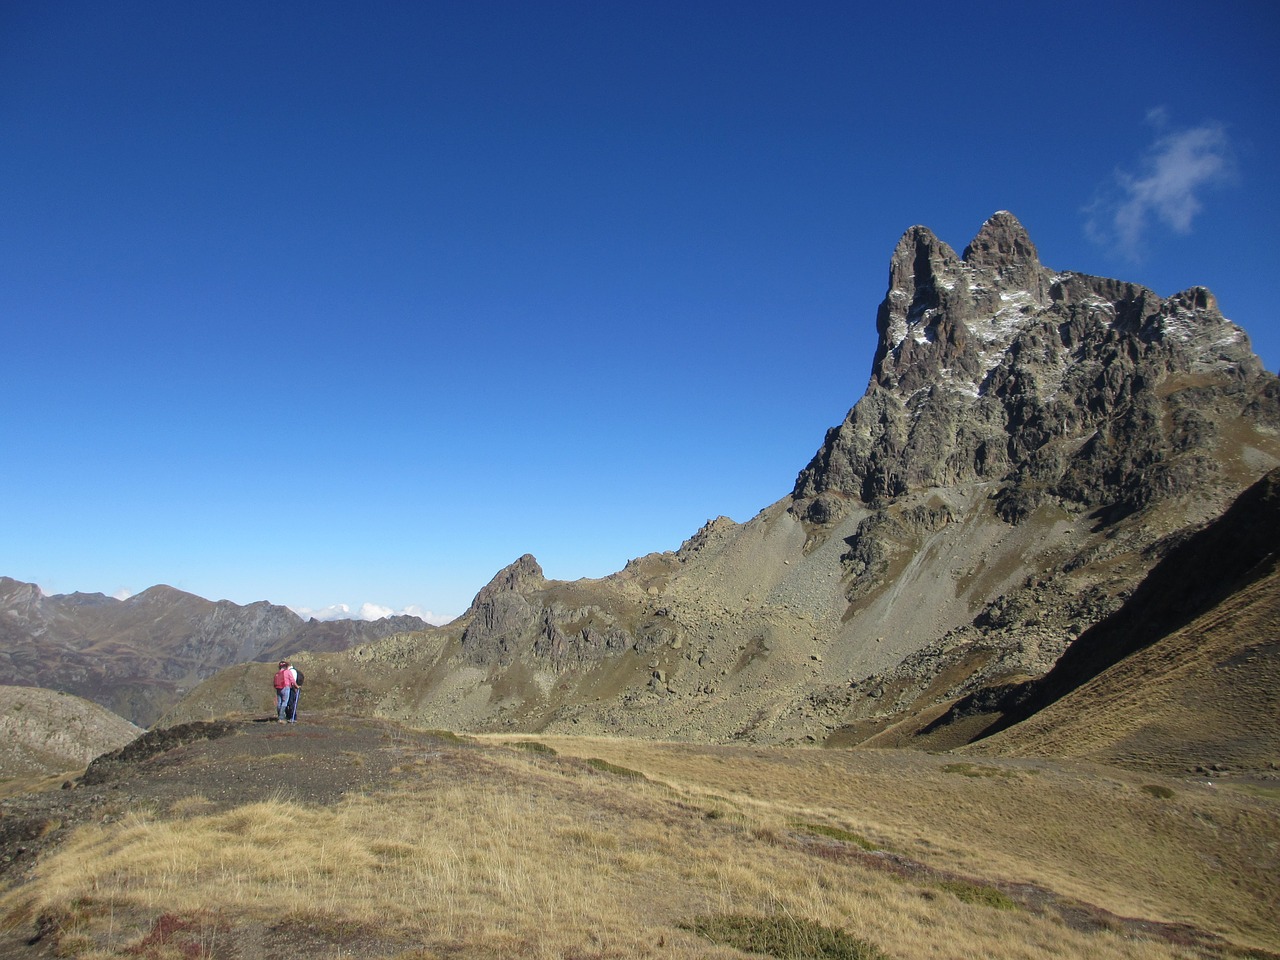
x=521 y=612
x=1031 y=443
x=1088 y=392
x=139 y=656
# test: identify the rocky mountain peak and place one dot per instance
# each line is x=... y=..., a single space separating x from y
x=519 y=576
x=1003 y=250
x=15 y=592
x=161 y=593
x=950 y=318
x=500 y=613
x=992 y=367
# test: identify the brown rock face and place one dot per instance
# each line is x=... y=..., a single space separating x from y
x=990 y=367
x=500 y=614
x=1004 y=253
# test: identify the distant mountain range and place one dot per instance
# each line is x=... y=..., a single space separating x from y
x=139 y=656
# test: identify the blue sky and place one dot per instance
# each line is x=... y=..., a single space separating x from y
x=331 y=303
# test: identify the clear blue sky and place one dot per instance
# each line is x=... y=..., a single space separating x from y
x=336 y=303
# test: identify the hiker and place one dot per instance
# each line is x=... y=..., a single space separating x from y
x=284 y=683
x=291 y=712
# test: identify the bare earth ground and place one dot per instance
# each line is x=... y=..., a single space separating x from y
x=937 y=823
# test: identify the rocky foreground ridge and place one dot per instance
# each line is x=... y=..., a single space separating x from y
x=1029 y=446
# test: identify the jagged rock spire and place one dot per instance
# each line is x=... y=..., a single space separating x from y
x=947 y=317
x=500 y=614
x=1003 y=251
x=992 y=367
x=518 y=576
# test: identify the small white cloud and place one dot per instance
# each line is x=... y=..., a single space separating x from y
x=122 y=594
x=335 y=611
x=372 y=611
x=422 y=613
x=369 y=611
x=1176 y=169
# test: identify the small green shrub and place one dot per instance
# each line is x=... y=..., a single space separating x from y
x=604 y=766
x=979 y=894
x=533 y=746
x=784 y=937
x=835 y=833
x=1157 y=791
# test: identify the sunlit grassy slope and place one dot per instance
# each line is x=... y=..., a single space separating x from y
x=601 y=848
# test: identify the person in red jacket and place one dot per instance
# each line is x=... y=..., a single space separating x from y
x=284 y=683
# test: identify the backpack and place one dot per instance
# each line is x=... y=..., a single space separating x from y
x=299 y=673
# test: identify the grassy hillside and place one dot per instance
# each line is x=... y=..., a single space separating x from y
x=363 y=838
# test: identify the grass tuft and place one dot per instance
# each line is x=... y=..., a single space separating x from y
x=784 y=937
x=978 y=894
x=835 y=833
x=1157 y=791
x=604 y=766
x=533 y=746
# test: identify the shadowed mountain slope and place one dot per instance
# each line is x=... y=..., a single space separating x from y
x=1185 y=674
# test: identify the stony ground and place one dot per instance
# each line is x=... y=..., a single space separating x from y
x=44 y=731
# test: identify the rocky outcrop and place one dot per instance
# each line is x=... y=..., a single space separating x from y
x=44 y=732
x=501 y=615
x=521 y=614
x=1087 y=392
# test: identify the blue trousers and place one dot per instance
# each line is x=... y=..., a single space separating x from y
x=282 y=703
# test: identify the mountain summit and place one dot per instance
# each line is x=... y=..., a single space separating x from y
x=1056 y=386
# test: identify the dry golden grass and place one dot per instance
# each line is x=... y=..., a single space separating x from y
x=1205 y=855
x=505 y=852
